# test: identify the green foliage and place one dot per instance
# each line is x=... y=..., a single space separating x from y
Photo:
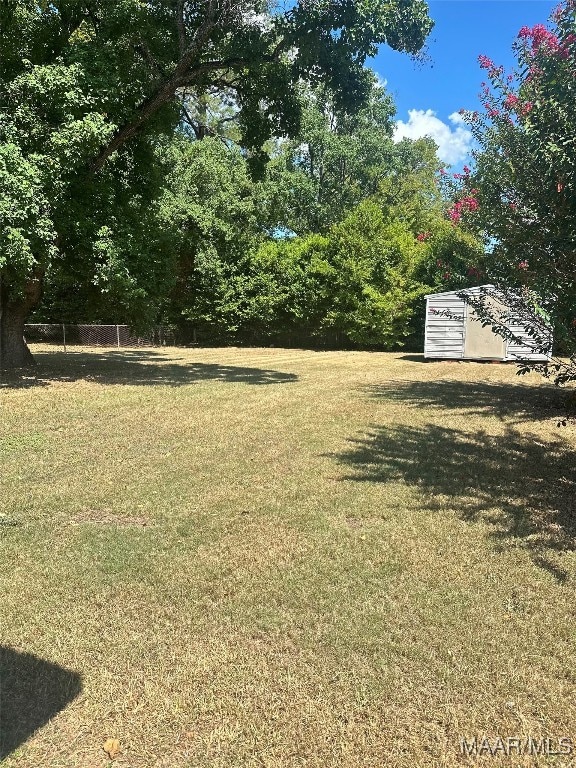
x=26 y=226
x=526 y=171
x=338 y=159
x=210 y=208
x=357 y=285
x=89 y=91
x=376 y=260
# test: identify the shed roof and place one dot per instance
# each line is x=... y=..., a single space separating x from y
x=474 y=290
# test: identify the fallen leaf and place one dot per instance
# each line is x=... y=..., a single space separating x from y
x=111 y=747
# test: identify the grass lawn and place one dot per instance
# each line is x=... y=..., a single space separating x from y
x=233 y=558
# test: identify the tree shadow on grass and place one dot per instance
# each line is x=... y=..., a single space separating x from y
x=523 y=487
x=134 y=367
x=520 y=401
x=32 y=692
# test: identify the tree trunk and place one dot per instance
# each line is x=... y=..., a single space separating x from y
x=14 y=310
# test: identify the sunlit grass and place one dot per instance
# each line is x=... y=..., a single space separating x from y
x=260 y=557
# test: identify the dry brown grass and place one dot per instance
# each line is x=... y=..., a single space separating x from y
x=230 y=558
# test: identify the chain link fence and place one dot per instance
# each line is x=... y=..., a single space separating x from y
x=60 y=336
x=65 y=335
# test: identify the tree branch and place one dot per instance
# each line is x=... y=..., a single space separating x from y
x=212 y=66
x=180 y=26
x=192 y=123
x=142 y=48
x=164 y=92
x=184 y=74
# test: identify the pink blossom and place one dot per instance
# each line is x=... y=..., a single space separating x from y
x=485 y=62
x=533 y=73
x=510 y=101
x=468 y=203
x=471 y=203
x=540 y=37
x=567 y=46
x=423 y=236
x=523 y=264
x=526 y=107
x=454 y=215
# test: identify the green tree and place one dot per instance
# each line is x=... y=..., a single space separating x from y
x=403 y=245
x=210 y=207
x=338 y=158
x=359 y=283
x=376 y=259
x=118 y=256
x=88 y=86
x=525 y=180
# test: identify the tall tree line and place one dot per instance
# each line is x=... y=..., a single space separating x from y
x=92 y=91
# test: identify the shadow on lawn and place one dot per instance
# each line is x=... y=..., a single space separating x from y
x=32 y=692
x=140 y=368
x=521 y=401
x=523 y=487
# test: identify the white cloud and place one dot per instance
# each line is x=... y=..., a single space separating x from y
x=456 y=118
x=454 y=144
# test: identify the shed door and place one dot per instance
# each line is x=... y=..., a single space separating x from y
x=481 y=342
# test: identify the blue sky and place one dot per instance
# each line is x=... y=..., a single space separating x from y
x=428 y=95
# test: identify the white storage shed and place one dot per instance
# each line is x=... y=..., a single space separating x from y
x=454 y=332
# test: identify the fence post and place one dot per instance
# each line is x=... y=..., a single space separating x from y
x=64 y=336
x=118 y=335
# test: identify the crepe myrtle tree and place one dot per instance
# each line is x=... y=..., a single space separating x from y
x=88 y=87
x=508 y=300
x=522 y=193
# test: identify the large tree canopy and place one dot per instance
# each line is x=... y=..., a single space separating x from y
x=86 y=86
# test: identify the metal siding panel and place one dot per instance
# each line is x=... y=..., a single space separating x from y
x=444 y=335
